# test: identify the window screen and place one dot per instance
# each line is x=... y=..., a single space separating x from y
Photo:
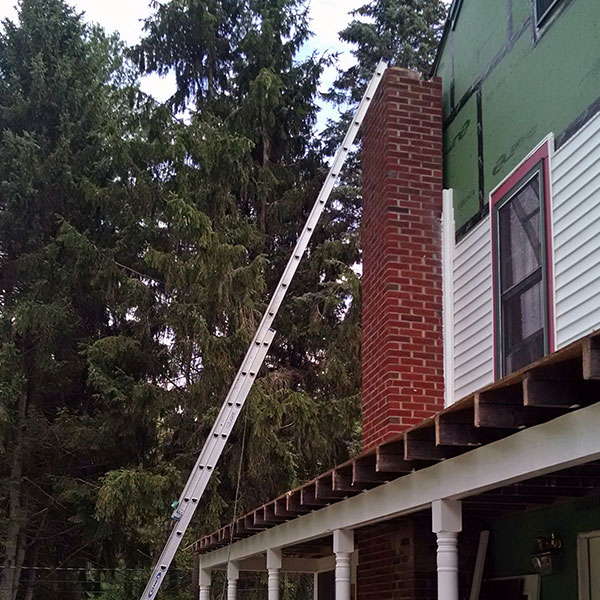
x=521 y=283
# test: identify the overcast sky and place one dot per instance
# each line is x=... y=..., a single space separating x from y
x=125 y=16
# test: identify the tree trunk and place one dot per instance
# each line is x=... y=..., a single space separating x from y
x=15 y=542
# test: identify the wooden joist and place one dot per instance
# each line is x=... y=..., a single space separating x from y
x=270 y=516
x=457 y=428
x=342 y=480
x=591 y=358
x=555 y=385
x=324 y=489
x=294 y=504
x=548 y=390
x=308 y=497
x=504 y=408
x=420 y=444
x=389 y=458
x=365 y=474
x=280 y=509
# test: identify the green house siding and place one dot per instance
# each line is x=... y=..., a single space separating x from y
x=529 y=84
x=512 y=540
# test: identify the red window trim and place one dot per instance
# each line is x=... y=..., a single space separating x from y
x=540 y=155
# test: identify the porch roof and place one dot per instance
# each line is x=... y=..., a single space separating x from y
x=475 y=445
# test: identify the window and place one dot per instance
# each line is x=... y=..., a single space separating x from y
x=522 y=310
x=543 y=8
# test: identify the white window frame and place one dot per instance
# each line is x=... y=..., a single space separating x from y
x=583 y=561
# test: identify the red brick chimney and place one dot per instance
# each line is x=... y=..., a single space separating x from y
x=402 y=348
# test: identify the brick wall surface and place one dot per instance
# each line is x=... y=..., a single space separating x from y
x=402 y=348
x=397 y=559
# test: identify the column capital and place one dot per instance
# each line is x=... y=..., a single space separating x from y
x=274 y=560
x=233 y=571
x=205 y=577
x=446 y=516
x=343 y=541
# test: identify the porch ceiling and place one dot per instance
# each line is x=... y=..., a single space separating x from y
x=552 y=400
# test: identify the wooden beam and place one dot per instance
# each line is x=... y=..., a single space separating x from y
x=503 y=408
x=527 y=489
x=324 y=489
x=308 y=497
x=364 y=472
x=389 y=458
x=591 y=358
x=419 y=444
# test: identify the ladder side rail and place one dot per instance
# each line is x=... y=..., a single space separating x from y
x=330 y=181
x=180 y=526
x=301 y=244
x=230 y=401
x=214 y=445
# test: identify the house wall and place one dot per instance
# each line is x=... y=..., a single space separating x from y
x=575 y=201
x=473 y=312
x=576 y=221
x=512 y=540
x=506 y=86
x=396 y=561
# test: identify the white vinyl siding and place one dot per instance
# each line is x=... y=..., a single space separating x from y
x=473 y=319
x=576 y=224
x=575 y=200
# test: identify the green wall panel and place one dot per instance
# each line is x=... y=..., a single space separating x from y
x=480 y=34
x=444 y=71
x=461 y=162
x=538 y=89
x=512 y=540
x=521 y=11
x=539 y=86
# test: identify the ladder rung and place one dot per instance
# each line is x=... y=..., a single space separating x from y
x=252 y=362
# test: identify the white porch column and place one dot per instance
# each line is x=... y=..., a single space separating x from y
x=273 y=568
x=205 y=577
x=233 y=574
x=447 y=523
x=343 y=546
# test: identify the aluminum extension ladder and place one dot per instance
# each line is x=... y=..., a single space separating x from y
x=213 y=447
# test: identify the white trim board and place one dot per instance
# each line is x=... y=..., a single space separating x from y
x=564 y=442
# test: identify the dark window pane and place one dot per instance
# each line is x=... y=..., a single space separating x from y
x=520 y=241
x=326 y=585
x=543 y=6
x=523 y=320
x=526 y=354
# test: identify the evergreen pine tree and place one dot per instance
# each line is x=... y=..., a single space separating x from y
x=249 y=171
x=83 y=375
x=405 y=33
